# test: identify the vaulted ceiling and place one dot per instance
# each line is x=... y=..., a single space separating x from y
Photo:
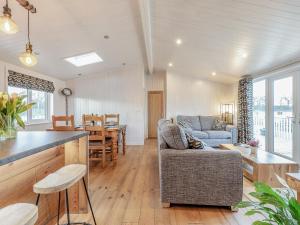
x=229 y=37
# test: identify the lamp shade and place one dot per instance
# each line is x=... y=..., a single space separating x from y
x=7 y=25
x=28 y=58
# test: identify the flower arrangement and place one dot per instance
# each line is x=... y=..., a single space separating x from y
x=11 y=106
x=253 y=143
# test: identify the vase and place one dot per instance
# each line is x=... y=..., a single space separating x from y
x=254 y=150
x=8 y=128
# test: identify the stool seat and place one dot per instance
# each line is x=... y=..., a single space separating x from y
x=19 y=214
x=61 y=179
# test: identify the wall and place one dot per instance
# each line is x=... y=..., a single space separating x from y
x=117 y=91
x=188 y=95
x=58 y=99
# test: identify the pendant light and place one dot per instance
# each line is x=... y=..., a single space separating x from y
x=28 y=58
x=7 y=25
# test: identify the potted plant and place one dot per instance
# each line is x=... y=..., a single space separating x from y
x=11 y=106
x=276 y=206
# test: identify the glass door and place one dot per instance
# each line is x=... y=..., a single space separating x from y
x=283 y=116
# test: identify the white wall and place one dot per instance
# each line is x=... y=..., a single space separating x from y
x=117 y=91
x=188 y=95
x=58 y=99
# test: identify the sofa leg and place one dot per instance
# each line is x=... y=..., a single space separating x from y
x=234 y=209
x=166 y=204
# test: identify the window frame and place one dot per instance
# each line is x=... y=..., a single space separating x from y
x=48 y=104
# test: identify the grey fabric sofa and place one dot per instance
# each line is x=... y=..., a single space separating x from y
x=198 y=177
x=202 y=127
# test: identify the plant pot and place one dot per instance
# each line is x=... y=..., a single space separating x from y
x=254 y=150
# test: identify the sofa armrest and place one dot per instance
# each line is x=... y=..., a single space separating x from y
x=234 y=133
x=187 y=174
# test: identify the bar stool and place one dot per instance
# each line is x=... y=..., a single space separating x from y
x=61 y=180
x=19 y=214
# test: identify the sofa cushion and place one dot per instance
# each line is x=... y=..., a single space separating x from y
x=207 y=122
x=218 y=134
x=174 y=136
x=219 y=125
x=192 y=121
x=194 y=142
x=200 y=134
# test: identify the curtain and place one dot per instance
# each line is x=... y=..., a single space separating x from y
x=245 y=110
x=25 y=81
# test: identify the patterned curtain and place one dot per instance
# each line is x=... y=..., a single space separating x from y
x=245 y=110
x=25 y=81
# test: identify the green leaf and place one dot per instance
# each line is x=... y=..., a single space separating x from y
x=294 y=209
x=253 y=212
x=244 y=204
x=261 y=223
x=20 y=121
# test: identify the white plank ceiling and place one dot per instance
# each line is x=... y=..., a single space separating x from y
x=215 y=35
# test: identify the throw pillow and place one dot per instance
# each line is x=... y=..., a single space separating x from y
x=174 y=136
x=186 y=126
x=219 y=125
x=194 y=142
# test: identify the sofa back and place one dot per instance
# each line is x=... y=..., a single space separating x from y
x=161 y=142
x=198 y=122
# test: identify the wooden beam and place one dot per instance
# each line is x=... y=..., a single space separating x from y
x=27 y=5
x=147 y=31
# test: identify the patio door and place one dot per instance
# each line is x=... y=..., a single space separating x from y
x=276 y=113
x=283 y=121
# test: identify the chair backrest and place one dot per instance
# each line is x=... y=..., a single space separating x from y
x=112 y=118
x=68 y=123
x=95 y=126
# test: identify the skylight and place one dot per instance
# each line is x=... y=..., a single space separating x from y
x=85 y=59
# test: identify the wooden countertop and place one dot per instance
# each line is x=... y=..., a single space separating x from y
x=31 y=142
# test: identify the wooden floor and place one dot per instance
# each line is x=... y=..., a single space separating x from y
x=128 y=194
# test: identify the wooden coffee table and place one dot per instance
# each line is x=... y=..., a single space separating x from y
x=293 y=180
x=263 y=166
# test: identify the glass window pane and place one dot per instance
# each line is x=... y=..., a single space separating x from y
x=283 y=116
x=259 y=112
x=39 y=110
x=19 y=91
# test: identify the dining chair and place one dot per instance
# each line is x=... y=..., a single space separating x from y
x=99 y=145
x=63 y=123
x=112 y=119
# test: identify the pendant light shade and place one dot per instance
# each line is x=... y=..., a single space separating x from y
x=28 y=58
x=7 y=25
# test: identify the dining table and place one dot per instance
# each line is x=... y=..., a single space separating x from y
x=113 y=132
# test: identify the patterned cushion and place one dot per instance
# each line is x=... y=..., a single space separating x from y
x=219 y=125
x=186 y=126
x=194 y=142
x=218 y=134
x=192 y=121
x=174 y=136
x=207 y=122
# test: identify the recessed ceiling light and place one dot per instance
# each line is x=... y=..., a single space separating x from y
x=178 y=41
x=245 y=55
x=170 y=64
x=213 y=74
x=85 y=59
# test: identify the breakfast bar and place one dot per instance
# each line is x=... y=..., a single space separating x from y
x=34 y=155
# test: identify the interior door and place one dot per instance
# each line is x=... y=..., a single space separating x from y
x=155 y=111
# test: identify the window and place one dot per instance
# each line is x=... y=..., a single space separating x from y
x=40 y=112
